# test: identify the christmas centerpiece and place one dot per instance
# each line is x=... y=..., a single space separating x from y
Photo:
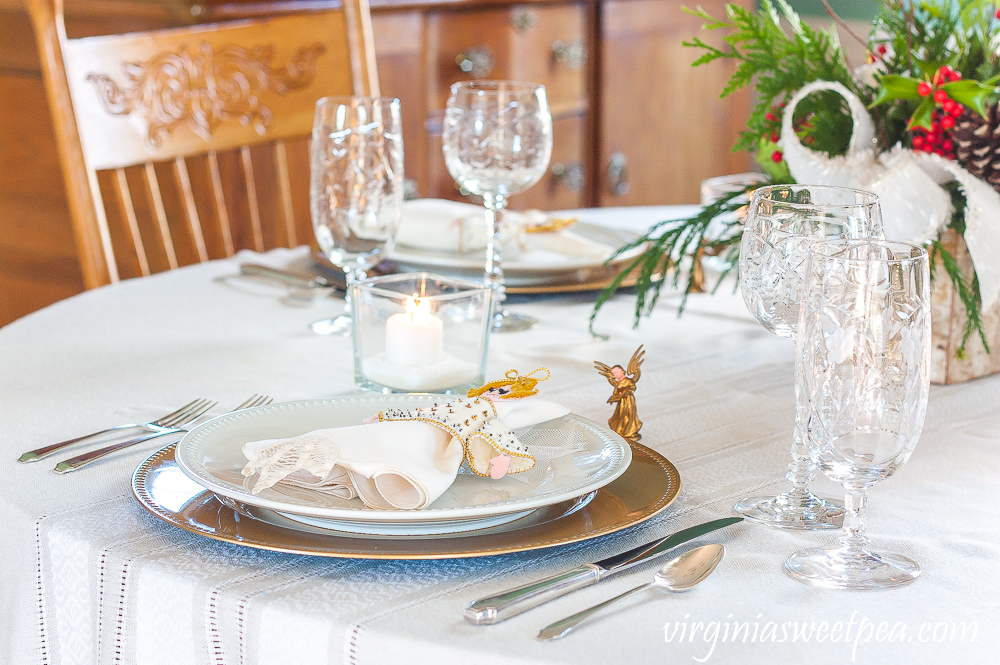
x=918 y=124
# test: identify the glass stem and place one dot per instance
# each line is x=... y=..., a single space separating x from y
x=800 y=469
x=495 y=204
x=855 y=501
x=352 y=275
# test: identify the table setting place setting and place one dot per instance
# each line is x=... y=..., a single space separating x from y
x=438 y=473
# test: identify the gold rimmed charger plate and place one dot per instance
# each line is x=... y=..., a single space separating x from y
x=650 y=484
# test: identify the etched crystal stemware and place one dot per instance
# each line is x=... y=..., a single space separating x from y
x=862 y=369
x=497 y=142
x=356 y=185
x=783 y=221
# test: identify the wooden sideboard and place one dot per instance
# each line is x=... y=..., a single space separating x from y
x=633 y=123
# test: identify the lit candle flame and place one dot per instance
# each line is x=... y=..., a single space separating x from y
x=417 y=307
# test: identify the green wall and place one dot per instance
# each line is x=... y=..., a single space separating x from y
x=849 y=10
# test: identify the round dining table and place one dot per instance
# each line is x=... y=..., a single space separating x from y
x=89 y=576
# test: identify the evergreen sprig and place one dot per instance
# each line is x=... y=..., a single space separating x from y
x=968 y=293
x=967 y=288
x=668 y=243
x=777 y=64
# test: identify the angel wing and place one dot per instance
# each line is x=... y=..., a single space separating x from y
x=605 y=370
x=635 y=364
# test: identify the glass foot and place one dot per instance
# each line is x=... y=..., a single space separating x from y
x=508 y=322
x=340 y=325
x=803 y=511
x=855 y=569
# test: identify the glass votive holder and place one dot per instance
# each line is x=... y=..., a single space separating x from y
x=420 y=332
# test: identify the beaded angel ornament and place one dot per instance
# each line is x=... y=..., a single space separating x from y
x=491 y=448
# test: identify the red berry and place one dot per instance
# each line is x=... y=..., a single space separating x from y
x=947 y=145
x=882 y=49
x=924 y=89
x=770 y=117
x=774 y=137
x=776 y=156
x=948 y=122
x=940 y=96
x=928 y=147
x=956 y=110
x=947 y=105
x=950 y=155
x=997 y=14
x=918 y=142
x=954 y=76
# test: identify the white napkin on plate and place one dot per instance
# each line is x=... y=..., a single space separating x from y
x=452 y=227
x=391 y=464
x=439 y=225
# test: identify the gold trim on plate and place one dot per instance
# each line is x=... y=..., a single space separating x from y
x=648 y=486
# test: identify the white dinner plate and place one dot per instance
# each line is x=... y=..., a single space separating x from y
x=211 y=455
x=531 y=264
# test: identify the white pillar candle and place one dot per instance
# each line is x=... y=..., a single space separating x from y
x=416 y=337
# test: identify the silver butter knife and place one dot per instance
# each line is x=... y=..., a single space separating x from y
x=511 y=603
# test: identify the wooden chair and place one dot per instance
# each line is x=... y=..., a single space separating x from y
x=183 y=145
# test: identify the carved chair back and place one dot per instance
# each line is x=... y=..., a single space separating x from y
x=184 y=145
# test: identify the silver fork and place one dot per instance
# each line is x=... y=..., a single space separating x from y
x=158 y=425
x=79 y=461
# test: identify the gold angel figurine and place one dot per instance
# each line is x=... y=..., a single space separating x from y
x=625 y=419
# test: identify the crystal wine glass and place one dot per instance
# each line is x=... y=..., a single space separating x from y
x=783 y=221
x=356 y=185
x=862 y=369
x=497 y=142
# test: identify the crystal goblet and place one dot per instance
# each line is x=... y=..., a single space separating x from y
x=862 y=368
x=783 y=221
x=497 y=142
x=356 y=185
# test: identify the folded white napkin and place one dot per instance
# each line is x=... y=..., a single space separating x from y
x=439 y=225
x=407 y=459
x=442 y=226
x=401 y=465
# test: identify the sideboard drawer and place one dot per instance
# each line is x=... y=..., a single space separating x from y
x=525 y=43
x=564 y=184
x=552 y=50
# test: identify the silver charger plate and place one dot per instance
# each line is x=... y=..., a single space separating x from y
x=211 y=455
x=648 y=486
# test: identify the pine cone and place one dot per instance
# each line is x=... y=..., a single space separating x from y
x=977 y=143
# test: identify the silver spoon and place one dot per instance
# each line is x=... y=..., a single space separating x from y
x=679 y=574
x=338 y=325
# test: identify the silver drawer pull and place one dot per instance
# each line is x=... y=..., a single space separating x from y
x=572 y=54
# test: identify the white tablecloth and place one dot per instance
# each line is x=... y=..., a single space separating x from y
x=89 y=577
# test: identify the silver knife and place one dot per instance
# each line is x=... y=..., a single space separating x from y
x=511 y=603
x=290 y=278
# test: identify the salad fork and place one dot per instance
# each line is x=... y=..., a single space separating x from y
x=80 y=461
x=158 y=425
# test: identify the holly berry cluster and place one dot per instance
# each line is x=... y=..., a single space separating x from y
x=800 y=127
x=938 y=139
